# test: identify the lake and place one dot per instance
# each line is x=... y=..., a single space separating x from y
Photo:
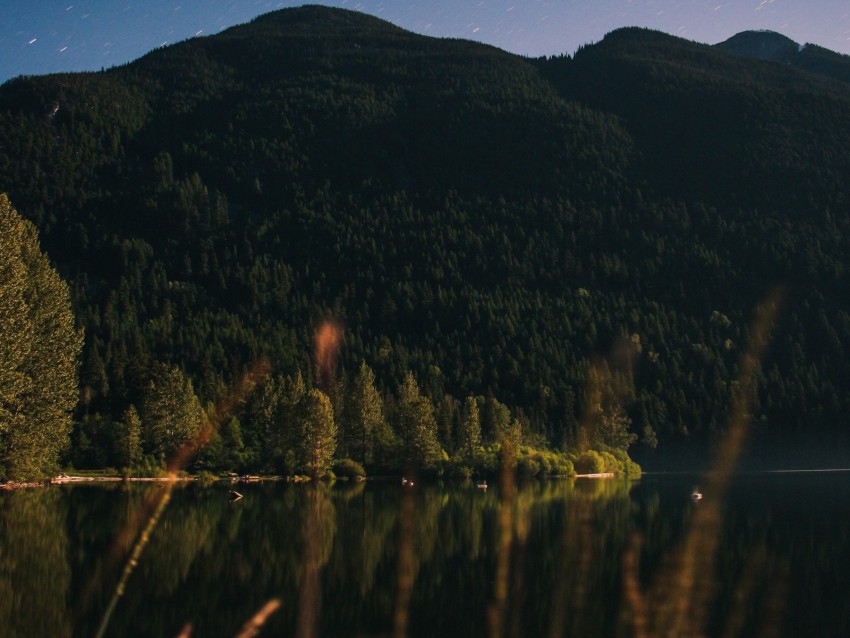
x=558 y=558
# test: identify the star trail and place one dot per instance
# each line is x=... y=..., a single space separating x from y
x=45 y=36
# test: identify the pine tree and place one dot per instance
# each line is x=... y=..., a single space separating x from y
x=568 y=437
x=510 y=439
x=495 y=418
x=131 y=439
x=318 y=434
x=364 y=415
x=39 y=353
x=172 y=414
x=14 y=347
x=234 y=445
x=266 y=434
x=469 y=437
x=416 y=426
x=448 y=414
x=289 y=418
x=613 y=428
x=607 y=421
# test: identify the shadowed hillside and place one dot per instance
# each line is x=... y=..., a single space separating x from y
x=492 y=223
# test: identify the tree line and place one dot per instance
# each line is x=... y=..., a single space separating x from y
x=283 y=426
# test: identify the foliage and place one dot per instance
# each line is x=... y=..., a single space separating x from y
x=590 y=462
x=543 y=463
x=34 y=559
x=364 y=415
x=348 y=468
x=469 y=437
x=131 y=438
x=39 y=353
x=317 y=440
x=416 y=426
x=171 y=414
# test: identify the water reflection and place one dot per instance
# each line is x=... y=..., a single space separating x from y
x=380 y=560
x=35 y=575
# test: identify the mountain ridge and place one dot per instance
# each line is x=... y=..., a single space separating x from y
x=774 y=47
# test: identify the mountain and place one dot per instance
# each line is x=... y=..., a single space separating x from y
x=762 y=45
x=774 y=47
x=498 y=225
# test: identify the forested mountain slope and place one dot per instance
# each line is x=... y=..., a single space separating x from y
x=493 y=224
x=767 y=45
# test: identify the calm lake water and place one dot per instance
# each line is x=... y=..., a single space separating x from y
x=559 y=558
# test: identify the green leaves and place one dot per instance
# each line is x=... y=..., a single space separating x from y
x=39 y=353
x=318 y=434
x=469 y=437
x=416 y=426
x=14 y=319
x=364 y=415
x=171 y=413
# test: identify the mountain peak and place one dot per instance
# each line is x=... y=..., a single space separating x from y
x=310 y=19
x=775 y=47
x=763 y=45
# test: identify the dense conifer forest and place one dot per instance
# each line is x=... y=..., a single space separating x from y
x=567 y=247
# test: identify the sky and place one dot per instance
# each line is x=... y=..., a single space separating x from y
x=46 y=36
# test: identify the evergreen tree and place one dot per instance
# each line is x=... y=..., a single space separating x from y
x=234 y=445
x=469 y=437
x=416 y=425
x=172 y=414
x=364 y=415
x=510 y=439
x=318 y=434
x=607 y=421
x=569 y=435
x=289 y=418
x=448 y=414
x=130 y=442
x=496 y=418
x=613 y=428
x=39 y=353
x=15 y=385
x=265 y=434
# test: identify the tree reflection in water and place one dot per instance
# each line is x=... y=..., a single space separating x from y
x=333 y=556
x=35 y=576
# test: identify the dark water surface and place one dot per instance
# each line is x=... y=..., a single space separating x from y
x=560 y=558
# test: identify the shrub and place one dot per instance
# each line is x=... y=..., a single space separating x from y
x=590 y=463
x=463 y=471
x=486 y=461
x=566 y=468
x=612 y=464
x=627 y=466
x=548 y=462
x=206 y=478
x=348 y=469
x=527 y=467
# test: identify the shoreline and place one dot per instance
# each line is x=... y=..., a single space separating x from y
x=68 y=480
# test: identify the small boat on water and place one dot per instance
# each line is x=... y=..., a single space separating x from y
x=696 y=495
x=482 y=485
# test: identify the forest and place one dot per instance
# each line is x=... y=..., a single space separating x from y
x=571 y=247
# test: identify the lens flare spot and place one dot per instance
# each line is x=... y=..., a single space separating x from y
x=328 y=339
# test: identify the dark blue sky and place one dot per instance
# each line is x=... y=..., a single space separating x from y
x=44 y=36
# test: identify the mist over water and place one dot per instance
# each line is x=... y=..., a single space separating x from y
x=337 y=558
